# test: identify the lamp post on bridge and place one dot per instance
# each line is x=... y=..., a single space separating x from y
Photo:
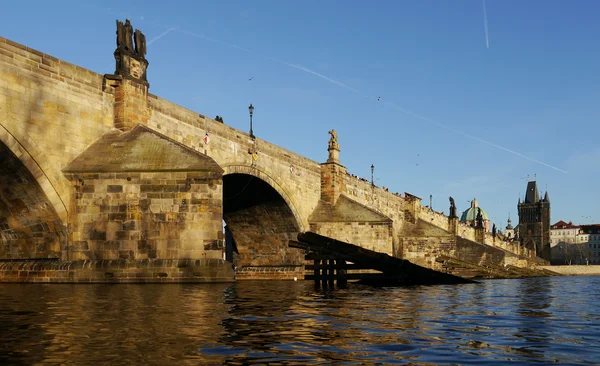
x=430 y=202
x=372 y=170
x=251 y=109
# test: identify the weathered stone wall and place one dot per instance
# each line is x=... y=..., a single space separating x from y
x=333 y=181
x=433 y=217
x=299 y=187
x=262 y=233
x=29 y=225
x=295 y=178
x=391 y=205
x=117 y=271
x=466 y=231
x=423 y=242
x=513 y=246
x=146 y=215
x=405 y=213
x=425 y=250
x=50 y=111
x=475 y=253
x=131 y=103
x=369 y=235
x=270 y=273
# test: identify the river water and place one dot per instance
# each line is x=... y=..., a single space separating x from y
x=534 y=320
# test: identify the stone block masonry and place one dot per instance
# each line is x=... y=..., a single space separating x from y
x=146 y=216
x=270 y=273
x=140 y=195
x=117 y=271
x=50 y=111
x=29 y=227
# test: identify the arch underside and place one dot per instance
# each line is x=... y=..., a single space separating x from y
x=261 y=221
x=29 y=224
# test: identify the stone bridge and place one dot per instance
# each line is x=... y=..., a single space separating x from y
x=95 y=168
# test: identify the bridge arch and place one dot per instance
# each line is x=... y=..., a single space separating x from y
x=21 y=149
x=258 y=173
x=31 y=225
x=261 y=217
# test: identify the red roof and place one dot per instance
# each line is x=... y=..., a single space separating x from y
x=563 y=225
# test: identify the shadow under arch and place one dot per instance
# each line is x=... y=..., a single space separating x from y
x=21 y=150
x=30 y=227
x=261 y=218
x=253 y=171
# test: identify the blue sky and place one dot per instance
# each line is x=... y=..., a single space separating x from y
x=479 y=121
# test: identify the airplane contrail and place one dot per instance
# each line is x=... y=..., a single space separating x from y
x=394 y=106
x=161 y=35
x=472 y=136
x=485 y=24
x=302 y=68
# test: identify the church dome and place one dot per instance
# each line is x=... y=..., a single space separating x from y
x=471 y=213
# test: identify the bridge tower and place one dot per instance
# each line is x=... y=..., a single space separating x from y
x=534 y=221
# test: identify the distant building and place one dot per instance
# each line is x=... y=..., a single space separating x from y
x=469 y=217
x=534 y=221
x=509 y=232
x=589 y=236
x=572 y=244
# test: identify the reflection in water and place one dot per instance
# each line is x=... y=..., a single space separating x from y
x=531 y=320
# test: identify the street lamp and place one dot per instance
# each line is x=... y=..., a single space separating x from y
x=430 y=202
x=251 y=109
x=372 y=169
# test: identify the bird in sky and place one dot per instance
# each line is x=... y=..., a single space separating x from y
x=251 y=78
x=378 y=99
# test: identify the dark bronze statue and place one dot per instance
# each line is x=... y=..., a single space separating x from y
x=140 y=43
x=120 y=34
x=125 y=39
x=125 y=35
x=494 y=230
x=130 y=58
x=452 y=208
x=479 y=218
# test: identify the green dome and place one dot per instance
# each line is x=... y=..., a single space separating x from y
x=471 y=213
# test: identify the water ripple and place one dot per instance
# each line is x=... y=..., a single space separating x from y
x=529 y=321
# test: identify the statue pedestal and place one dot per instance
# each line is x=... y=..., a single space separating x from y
x=480 y=235
x=453 y=225
x=334 y=154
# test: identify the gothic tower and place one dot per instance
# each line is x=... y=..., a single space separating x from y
x=534 y=221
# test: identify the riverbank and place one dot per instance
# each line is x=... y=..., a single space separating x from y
x=576 y=270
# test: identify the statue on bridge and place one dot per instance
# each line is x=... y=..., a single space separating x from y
x=494 y=230
x=479 y=218
x=334 y=148
x=452 y=208
x=130 y=58
x=333 y=141
x=124 y=35
x=126 y=38
x=140 y=43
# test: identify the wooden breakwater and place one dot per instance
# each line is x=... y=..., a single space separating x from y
x=338 y=261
